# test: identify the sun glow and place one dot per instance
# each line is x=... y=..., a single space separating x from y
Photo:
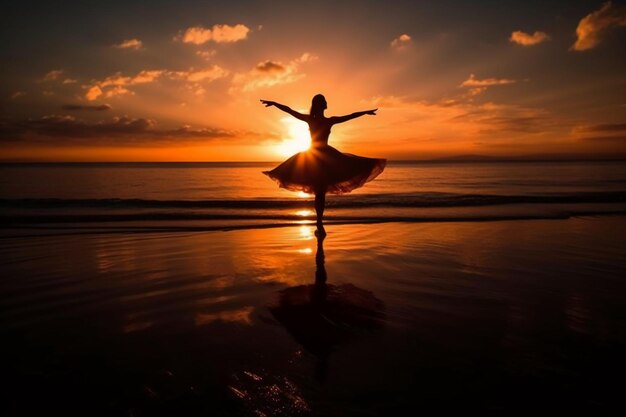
x=297 y=139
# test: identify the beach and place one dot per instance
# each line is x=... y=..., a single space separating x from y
x=500 y=317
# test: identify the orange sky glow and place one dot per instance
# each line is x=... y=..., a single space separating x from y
x=189 y=90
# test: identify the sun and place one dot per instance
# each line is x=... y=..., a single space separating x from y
x=296 y=140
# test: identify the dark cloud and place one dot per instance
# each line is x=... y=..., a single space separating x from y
x=521 y=124
x=504 y=119
x=119 y=129
x=620 y=138
x=609 y=127
x=270 y=66
x=80 y=107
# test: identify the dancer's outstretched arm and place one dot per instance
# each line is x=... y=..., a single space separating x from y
x=341 y=119
x=286 y=109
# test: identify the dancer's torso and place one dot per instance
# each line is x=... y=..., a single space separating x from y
x=320 y=130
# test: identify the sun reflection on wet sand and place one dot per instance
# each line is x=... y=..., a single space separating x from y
x=241 y=315
x=306 y=232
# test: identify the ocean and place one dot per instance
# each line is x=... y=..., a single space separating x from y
x=196 y=196
x=201 y=289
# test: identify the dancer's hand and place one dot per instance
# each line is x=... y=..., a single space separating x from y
x=268 y=103
x=371 y=112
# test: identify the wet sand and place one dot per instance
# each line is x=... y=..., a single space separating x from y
x=504 y=317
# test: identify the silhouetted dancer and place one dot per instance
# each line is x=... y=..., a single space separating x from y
x=323 y=169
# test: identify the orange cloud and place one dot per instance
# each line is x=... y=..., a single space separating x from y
x=209 y=74
x=218 y=34
x=130 y=44
x=401 y=41
x=93 y=93
x=116 y=84
x=526 y=39
x=146 y=76
x=117 y=90
x=17 y=94
x=206 y=54
x=592 y=27
x=270 y=73
x=472 y=81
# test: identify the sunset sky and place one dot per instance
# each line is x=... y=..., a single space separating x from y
x=181 y=81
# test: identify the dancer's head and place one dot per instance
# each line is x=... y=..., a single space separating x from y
x=318 y=105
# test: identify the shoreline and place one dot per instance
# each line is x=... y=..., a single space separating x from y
x=132 y=226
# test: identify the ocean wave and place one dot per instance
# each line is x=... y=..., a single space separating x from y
x=351 y=201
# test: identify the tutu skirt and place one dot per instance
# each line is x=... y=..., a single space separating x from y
x=325 y=169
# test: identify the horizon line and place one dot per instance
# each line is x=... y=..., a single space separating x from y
x=389 y=160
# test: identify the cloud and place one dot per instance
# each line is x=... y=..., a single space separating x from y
x=401 y=41
x=526 y=39
x=117 y=84
x=218 y=34
x=208 y=54
x=270 y=73
x=18 y=94
x=619 y=138
x=69 y=81
x=592 y=27
x=93 y=93
x=507 y=119
x=52 y=75
x=606 y=132
x=473 y=82
x=608 y=127
x=459 y=118
x=142 y=77
x=80 y=107
x=117 y=90
x=120 y=129
x=209 y=74
x=270 y=66
x=129 y=44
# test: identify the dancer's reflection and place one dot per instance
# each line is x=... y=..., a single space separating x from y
x=323 y=316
